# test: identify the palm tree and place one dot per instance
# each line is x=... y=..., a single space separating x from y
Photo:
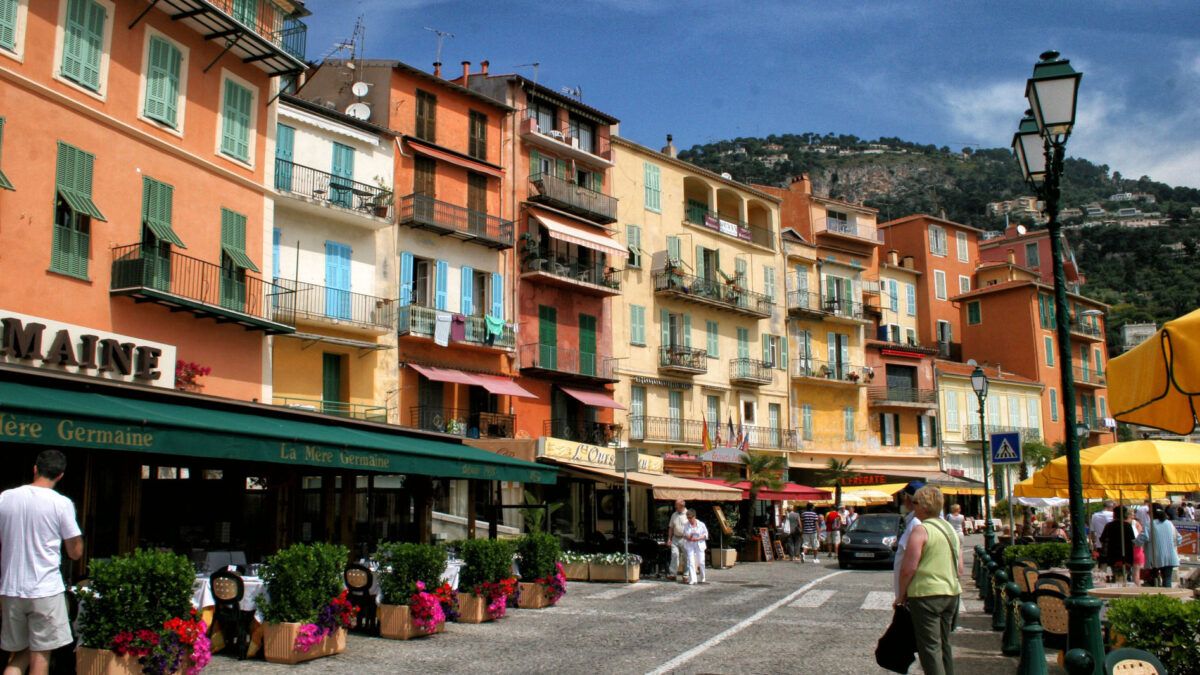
x=835 y=472
x=762 y=471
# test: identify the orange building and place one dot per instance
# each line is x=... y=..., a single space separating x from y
x=1031 y=249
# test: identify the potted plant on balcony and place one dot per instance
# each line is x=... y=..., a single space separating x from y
x=382 y=200
x=408 y=577
x=531 y=252
x=305 y=609
x=487 y=577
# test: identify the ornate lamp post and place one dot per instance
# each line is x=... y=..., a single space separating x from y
x=979 y=383
x=1039 y=144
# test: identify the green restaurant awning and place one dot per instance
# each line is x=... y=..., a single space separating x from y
x=85 y=419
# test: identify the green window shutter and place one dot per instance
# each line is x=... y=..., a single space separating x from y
x=8 y=24
x=673 y=252
x=633 y=240
x=687 y=330
x=653 y=197
x=714 y=340
x=235 y=122
x=766 y=348
x=157 y=201
x=783 y=352
x=560 y=168
x=743 y=343
x=637 y=325
x=5 y=183
x=665 y=328
x=535 y=164
x=162 y=81
x=233 y=239
x=246 y=11
x=73 y=180
x=83 y=42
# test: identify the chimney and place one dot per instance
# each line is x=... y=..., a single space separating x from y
x=669 y=149
x=466 y=72
x=437 y=68
x=894 y=258
x=483 y=67
x=1010 y=231
x=1012 y=257
x=802 y=183
x=908 y=262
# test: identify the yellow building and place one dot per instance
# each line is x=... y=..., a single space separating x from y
x=700 y=324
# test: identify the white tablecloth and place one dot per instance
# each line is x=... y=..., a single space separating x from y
x=202 y=593
x=450 y=576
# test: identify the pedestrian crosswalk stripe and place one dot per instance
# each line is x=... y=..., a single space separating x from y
x=621 y=590
x=741 y=597
x=813 y=599
x=878 y=600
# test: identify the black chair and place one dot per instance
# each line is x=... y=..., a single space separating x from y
x=228 y=589
x=1053 y=580
x=359 y=580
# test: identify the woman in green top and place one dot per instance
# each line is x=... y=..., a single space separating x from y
x=929 y=582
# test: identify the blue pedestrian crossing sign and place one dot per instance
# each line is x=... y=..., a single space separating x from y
x=1006 y=448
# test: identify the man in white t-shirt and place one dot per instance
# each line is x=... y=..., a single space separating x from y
x=910 y=521
x=36 y=523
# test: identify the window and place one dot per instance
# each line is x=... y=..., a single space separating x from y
x=546 y=116
x=774 y=351
x=652 y=175
x=925 y=431
x=1048 y=345
x=848 y=423
x=236 y=120
x=944 y=332
x=806 y=421
x=163 y=70
x=1053 y=405
x=960 y=240
x=974 y=313
x=246 y=12
x=234 y=261
x=637 y=413
x=5 y=183
x=583 y=134
x=417 y=280
x=1046 y=311
x=937 y=240
x=893 y=295
x=592 y=180
x=1014 y=412
x=964 y=283
x=952 y=411
x=424 y=175
x=637 y=325
x=910 y=299
x=1033 y=413
x=342 y=169
x=713 y=339
x=1099 y=364
x=426 y=116
x=993 y=411
x=633 y=240
x=157 y=201
x=889 y=429
x=1103 y=411
x=939 y=284
x=9 y=10
x=769 y=283
x=73 y=211
x=1033 y=257
x=83 y=43
x=676 y=329
x=477 y=141
x=910 y=336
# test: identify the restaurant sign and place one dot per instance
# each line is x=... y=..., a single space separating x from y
x=585 y=454
x=53 y=345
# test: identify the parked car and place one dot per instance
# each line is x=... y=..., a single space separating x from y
x=870 y=540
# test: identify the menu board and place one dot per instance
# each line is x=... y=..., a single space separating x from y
x=768 y=554
x=779 y=549
x=720 y=513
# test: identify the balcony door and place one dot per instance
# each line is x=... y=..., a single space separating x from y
x=712 y=410
x=547 y=337
x=285 y=142
x=901 y=382
x=637 y=413
x=587 y=344
x=675 y=415
x=342 y=184
x=156 y=261
x=430 y=397
x=424 y=190
x=477 y=203
x=839 y=355
x=337 y=280
x=333 y=384
x=774 y=419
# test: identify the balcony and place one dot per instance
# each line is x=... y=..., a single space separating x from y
x=260 y=32
x=461 y=422
x=750 y=372
x=805 y=304
x=691 y=432
x=568 y=364
x=673 y=282
x=1088 y=331
x=327 y=191
x=697 y=213
x=971 y=432
x=565 y=145
x=681 y=360
x=901 y=397
x=830 y=372
x=1089 y=377
x=863 y=233
x=418 y=321
x=358 y=411
x=326 y=306
x=186 y=284
x=596 y=433
x=843 y=309
x=574 y=198
x=427 y=213
x=583 y=275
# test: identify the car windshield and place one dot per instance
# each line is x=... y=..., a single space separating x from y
x=878 y=524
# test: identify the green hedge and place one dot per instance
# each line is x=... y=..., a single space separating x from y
x=137 y=591
x=408 y=563
x=539 y=552
x=1047 y=555
x=484 y=561
x=1167 y=627
x=301 y=580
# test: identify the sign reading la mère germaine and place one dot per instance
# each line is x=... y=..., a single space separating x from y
x=53 y=345
x=585 y=454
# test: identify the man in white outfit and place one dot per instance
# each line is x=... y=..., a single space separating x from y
x=675 y=537
x=910 y=521
x=696 y=535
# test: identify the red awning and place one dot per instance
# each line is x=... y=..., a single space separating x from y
x=595 y=398
x=451 y=158
x=901 y=353
x=501 y=385
x=793 y=492
x=444 y=374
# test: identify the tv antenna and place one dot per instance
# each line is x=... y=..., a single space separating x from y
x=533 y=65
x=352 y=45
x=574 y=92
x=441 y=36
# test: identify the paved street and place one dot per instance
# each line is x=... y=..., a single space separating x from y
x=755 y=618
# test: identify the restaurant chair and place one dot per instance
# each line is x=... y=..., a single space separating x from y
x=1018 y=573
x=1053 y=580
x=1128 y=661
x=1031 y=575
x=359 y=580
x=228 y=589
x=1053 y=603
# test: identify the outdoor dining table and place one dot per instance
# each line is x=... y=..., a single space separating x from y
x=1115 y=592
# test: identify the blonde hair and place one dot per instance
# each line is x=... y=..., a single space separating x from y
x=929 y=498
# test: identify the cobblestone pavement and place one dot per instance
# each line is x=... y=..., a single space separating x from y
x=780 y=617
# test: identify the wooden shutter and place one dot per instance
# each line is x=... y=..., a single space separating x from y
x=235 y=127
x=467 y=286
x=687 y=330
x=8 y=24
x=665 y=328
x=162 y=81
x=497 y=295
x=443 y=271
x=406 y=278
x=535 y=164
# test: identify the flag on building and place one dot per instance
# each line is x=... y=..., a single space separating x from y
x=731 y=430
x=707 y=441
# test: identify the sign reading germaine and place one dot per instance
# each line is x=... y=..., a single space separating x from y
x=53 y=345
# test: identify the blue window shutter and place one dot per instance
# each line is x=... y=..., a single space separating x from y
x=497 y=295
x=8 y=24
x=467 y=282
x=439 y=297
x=406 y=278
x=893 y=291
x=276 y=235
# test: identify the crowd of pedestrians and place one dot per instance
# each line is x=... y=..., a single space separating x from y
x=807 y=532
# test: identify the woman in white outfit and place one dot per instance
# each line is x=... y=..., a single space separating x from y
x=696 y=538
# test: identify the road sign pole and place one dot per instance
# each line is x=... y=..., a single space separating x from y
x=1012 y=528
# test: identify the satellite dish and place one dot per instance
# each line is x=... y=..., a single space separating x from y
x=360 y=89
x=972 y=362
x=1020 y=229
x=361 y=111
x=726 y=175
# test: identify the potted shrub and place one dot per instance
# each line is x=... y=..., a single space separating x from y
x=409 y=575
x=1046 y=555
x=539 y=553
x=611 y=567
x=1167 y=627
x=575 y=565
x=382 y=200
x=138 y=617
x=305 y=610
x=487 y=579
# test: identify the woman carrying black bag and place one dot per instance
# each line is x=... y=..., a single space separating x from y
x=929 y=583
x=897 y=648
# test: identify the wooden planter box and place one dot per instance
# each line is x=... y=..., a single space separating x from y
x=576 y=571
x=613 y=572
x=395 y=623
x=90 y=661
x=533 y=596
x=279 y=640
x=723 y=557
x=472 y=608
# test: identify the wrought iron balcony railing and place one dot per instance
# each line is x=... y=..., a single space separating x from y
x=971 y=432
x=420 y=320
x=428 y=213
x=845 y=308
x=1089 y=376
x=270 y=21
x=1087 y=329
x=682 y=359
x=596 y=433
x=843 y=227
x=327 y=188
x=901 y=395
x=358 y=411
x=321 y=302
x=697 y=213
x=691 y=432
x=836 y=371
x=462 y=422
x=567 y=361
x=751 y=371
x=573 y=269
x=717 y=293
x=574 y=198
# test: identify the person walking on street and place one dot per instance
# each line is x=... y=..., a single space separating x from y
x=1099 y=521
x=956 y=519
x=929 y=582
x=833 y=532
x=810 y=526
x=36 y=524
x=1161 y=543
x=696 y=535
x=910 y=521
x=850 y=517
x=1116 y=544
x=795 y=545
x=676 y=538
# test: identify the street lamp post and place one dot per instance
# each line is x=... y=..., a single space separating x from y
x=979 y=383
x=1039 y=144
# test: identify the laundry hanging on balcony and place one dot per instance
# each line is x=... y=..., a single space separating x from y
x=441 y=329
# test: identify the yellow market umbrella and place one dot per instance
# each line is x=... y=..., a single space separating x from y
x=1134 y=464
x=1038 y=485
x=1156 y=384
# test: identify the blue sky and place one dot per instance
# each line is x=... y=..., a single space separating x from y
x=948 y=73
